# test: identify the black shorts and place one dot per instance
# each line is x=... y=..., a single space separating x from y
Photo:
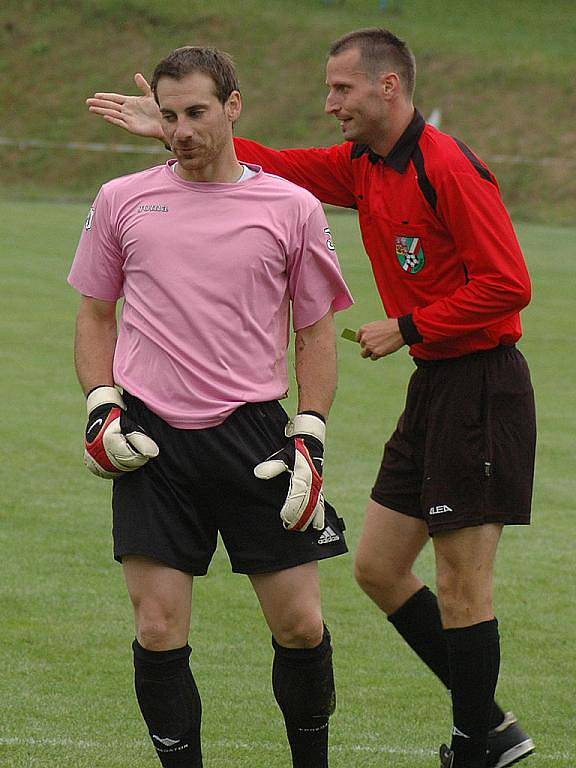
x=203 y=483
x=463 y=451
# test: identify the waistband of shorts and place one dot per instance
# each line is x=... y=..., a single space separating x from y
x=135 y=402
x=500 y=349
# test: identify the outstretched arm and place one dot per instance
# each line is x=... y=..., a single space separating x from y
x=326 y=172
x=136 y=114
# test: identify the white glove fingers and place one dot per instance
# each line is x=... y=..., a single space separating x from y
x=296 y=512
x=108 y=451
x=266 y=470
x=119 y=450
x=318 y=521
x=143 y=444
x=302 y=458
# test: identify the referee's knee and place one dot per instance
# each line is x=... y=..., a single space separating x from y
x=372 y=578
x=462 y=605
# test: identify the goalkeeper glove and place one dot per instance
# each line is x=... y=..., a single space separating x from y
x=302 y=457
x=114 y=444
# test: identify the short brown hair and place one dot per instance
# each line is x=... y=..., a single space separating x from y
x=380 y=48
x=191 y=58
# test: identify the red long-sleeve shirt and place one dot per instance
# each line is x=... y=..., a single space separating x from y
x=444 y=254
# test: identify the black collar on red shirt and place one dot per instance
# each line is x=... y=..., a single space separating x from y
x=400 y=154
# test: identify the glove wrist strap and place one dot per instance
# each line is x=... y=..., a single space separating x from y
x=103 y=395
x=313 y=413
x=307 y=424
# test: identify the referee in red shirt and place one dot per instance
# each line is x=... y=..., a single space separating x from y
x=452 y=279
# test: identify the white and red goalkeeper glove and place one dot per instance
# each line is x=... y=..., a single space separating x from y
x=114 y=444
x=302 y=457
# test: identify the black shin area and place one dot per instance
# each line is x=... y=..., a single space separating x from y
x=303 y=683
x=170 y=704
x=418 y=622
x=474 y=654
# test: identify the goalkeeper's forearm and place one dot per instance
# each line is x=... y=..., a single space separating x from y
x=316 y=366
x=94 y=343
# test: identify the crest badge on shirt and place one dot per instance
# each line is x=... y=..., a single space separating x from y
x=410 y=253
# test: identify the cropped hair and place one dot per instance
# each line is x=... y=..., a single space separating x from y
x=380 y=49
x=210 y=61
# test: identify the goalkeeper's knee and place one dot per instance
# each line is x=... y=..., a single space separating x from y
x=303 y=681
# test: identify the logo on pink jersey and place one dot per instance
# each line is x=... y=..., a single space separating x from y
x=151 y=207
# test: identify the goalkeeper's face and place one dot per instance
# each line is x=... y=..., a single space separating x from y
x=197 y=126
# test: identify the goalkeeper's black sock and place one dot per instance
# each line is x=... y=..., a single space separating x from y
x=474 y=654
x=419 y=623
x=303 y=683
x=170 y=704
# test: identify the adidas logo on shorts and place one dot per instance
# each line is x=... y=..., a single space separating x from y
x=328 y=536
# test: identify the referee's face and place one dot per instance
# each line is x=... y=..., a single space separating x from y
x=197 y=126
x=357 y=100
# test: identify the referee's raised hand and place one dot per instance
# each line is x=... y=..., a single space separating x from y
x=136 y=114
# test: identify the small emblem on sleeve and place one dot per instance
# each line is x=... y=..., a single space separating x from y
x=88 y=222
x=410 y=253
x=329 y=242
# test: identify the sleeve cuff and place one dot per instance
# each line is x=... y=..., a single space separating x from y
x=410 y=333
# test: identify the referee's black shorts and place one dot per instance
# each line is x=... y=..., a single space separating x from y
x=463 y=451
x=203 y=483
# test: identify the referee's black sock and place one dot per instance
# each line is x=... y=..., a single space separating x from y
x=170 y=704
x=474 y=657
x=303 y=683
x=418 y=622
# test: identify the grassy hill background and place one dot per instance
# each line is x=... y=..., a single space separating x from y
x=500 y=71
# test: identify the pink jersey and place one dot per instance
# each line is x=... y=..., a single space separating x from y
x=208 y=273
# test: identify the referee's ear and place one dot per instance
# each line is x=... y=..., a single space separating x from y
x=390 y=86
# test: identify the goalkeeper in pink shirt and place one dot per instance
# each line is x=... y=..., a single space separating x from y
x=212 y=260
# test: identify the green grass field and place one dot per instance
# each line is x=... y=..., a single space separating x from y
x=65 y=685
x=500 y=71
